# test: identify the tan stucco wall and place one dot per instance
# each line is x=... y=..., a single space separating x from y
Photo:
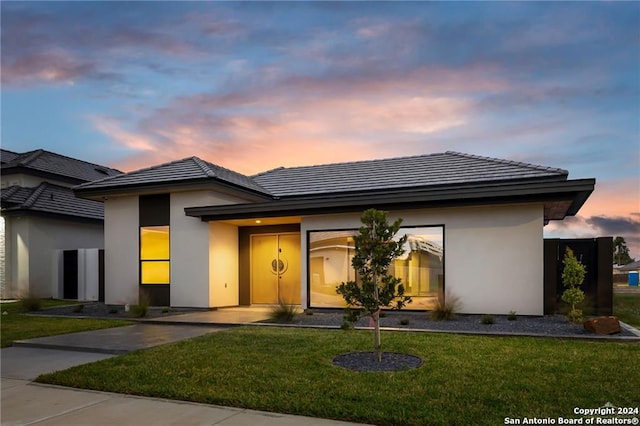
x=493 y=255
x=223 y=265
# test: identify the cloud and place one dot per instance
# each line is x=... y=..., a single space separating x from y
x=615 y=225
x=131 y=140
x=49 y=43
x=297 y=121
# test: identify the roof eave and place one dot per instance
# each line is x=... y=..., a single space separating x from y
x=100 y=194
x=17 y=211
x=575 y=191
x=15 y=170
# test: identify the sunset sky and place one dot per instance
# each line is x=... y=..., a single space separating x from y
x=253 y=86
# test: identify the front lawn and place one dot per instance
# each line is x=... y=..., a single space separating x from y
x=626 y=306
x=14 y=325
x=464 y=379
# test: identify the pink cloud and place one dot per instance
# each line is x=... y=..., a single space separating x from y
x=113 y=129
x=297 y=122
x=55 y=66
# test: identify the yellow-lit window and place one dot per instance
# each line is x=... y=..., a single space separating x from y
x=154 y=243
x=154 y=255
x=155 y=272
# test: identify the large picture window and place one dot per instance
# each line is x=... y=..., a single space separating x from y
x=154 y=255
x=421 y=267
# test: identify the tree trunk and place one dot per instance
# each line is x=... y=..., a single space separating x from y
x=376 y=337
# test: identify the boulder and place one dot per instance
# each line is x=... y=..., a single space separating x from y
x=602 y=325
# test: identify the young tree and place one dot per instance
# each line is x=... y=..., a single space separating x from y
x=572 y=278
x=375 y=288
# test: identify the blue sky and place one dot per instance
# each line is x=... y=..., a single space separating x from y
x=253 y=86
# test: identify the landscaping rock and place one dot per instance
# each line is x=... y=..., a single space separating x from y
x=602 y=325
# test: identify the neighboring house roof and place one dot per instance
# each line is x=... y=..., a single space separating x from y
x=53 y=166
x=49 y=200
x=7 y=156
x=633 y=266
x=404 y=172
x=190 y=170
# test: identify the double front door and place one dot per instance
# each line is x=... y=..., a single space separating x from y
x=275 y=269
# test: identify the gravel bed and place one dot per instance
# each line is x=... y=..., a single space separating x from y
x=548 y=325
x=100 y=310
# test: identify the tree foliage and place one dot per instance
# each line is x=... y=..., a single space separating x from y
x=621 y=252
x=573 y=275
x=375 y=288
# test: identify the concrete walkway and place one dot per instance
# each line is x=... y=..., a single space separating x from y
x=27 y=403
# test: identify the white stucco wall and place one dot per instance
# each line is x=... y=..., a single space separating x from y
x=189 y=251
x=223 y=265
x=32 y=245
x=121 y=255
x=493 y=255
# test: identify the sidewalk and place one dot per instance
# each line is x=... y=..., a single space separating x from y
x=26 y=403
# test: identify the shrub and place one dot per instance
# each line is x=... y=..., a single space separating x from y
x=404 y=321
x=30 y=303
x=512 y=316
x=308 y=311
x=78 y=308
x=283 y=312
x=165 y=310
x=113 y=310
x=572 y=277
x=446 y=307
x=140 y=310
x=487 y=319
x=346 y=325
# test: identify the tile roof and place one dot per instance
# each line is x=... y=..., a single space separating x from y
x=54 y=165
x=404 y=172
x=50 y=199
x=180 y=171
x=6 y=155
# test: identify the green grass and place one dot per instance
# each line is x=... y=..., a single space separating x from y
x=626 y=306
x=17 y=326
x=464 y=379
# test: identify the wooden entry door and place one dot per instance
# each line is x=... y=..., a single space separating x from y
x=275 y=269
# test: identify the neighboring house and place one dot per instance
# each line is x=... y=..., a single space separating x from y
x=628 y=273
x=190 y=233
x=41 y=216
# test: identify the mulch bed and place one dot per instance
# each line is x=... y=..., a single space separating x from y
x=367 y=361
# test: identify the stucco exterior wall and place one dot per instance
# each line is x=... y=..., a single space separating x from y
x=191 y=274
x=493 y=255
x=121 y=255
x=32 y=252
x=223 y=265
